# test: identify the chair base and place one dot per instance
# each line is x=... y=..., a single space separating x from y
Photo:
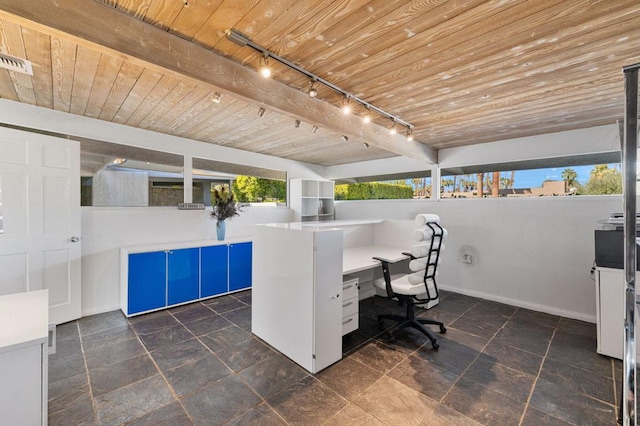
x=410 y=320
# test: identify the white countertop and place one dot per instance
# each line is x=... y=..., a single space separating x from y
x=175 y=245
x=321 y=225
x=356 y=259
x=24 y=319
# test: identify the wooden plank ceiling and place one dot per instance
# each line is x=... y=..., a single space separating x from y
x=462 y=72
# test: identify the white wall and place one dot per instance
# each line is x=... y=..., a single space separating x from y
x=531 y=252
x=106 y=229
x=120 y=188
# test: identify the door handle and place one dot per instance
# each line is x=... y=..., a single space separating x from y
x=75 y=239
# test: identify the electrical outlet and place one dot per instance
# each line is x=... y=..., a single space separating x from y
x=467 y=258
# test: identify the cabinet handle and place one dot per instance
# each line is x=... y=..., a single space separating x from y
x=344 y=305
x=347 y=321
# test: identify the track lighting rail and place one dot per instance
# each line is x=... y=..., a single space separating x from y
x=242 y=40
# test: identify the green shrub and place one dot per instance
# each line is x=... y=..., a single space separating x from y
x=372 y=191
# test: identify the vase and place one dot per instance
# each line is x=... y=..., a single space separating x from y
x=221 y=229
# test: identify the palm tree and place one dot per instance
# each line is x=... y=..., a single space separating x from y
x=495 y=185
x=480 y=185
x=570 y=176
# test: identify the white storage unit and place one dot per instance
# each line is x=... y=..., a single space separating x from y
x=297 y=292
x=311 y=200
x=610 y=286
x=350 y=306
x=24 y=358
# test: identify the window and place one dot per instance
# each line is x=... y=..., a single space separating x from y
x=401 y=188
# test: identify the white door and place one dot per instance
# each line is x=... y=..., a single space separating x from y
x=40 y=219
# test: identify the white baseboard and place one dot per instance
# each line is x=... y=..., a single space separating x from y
x=522 y=304
x=101 y=310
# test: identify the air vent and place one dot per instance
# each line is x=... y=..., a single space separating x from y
x=15 y=64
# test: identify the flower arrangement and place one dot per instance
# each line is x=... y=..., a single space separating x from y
x=224 y=205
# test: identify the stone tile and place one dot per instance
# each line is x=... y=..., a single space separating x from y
x=526 y=335
x=515 y=358
x=578 y=380
x=540 y=318
x=154 y=323
x=240 y=317
x=577 y=327
x=491 y=311
x=107 y=337
x=476 y=327
x=225 y=304
x=447 y=318
x=452 y=356
x=394 y=403
x=177 y=354
x=261 y=415
x=207 y=325
x=457 y=303
x=243 y=296
x=571 y=407
x=579 y=351
x=111 y=354
x=353 y=341
x=80 y=413
x=70 y=346
x=469 y=340
x=507 y=381
x=272 y=375
x=307 y=402
x=69 y=366
x=65 y=393
x=427 y=378
x=352 y=415
x=170 y=415
x=245 y=354
x=225 y=338
x=535 y=417
x=150 y=315
x=348 y=377
x=369 y=326
x=484 y=405
x=220 y=401
x=174 y=334
x=191 y=312
x=111 y=377
x=101 y=322
x=445 y=416
x=379 y=356
x=195 y=375
x=68 y=330
x=133 y=401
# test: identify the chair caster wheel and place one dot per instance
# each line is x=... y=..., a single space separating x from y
x=443 y=330
x=435 y=346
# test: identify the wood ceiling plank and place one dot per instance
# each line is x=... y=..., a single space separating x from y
x=106 y=74
x=12 y=43
x=163 y=13
x=63 y=58
x=85 y=68
x=142 y=88
x=159 y=92
x=223 y=19
x=122 y=86
x=229 y=118
x=186 y=108
x=206 y=126
x=191 y=19
x=136 y=8
x=117 y=33
x=190 y=115
x=7 y=90
x=39 y=49
x=166 y=104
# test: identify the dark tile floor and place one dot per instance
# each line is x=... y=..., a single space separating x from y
x=200 y=364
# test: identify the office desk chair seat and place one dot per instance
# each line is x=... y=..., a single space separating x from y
x=418 y=288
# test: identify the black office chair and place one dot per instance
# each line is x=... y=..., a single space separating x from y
x=418 y=288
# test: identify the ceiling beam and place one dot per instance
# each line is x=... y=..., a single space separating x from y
x=103 y=28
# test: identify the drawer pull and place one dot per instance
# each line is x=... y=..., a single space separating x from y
x=347 y=321
x=347 y=287
x=344 y=305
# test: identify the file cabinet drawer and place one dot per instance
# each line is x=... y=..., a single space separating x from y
x=350 y=289
x=349 y=324
x=349 y=307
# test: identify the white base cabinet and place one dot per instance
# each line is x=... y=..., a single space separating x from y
x=610 y=286
x=24 y=358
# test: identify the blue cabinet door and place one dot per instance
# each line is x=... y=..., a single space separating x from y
x=183 y=268
x=214 y=269
x=239 y=266
x=147 y=282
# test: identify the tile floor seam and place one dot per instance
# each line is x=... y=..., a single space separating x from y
x=86 y=369
x=173 y=392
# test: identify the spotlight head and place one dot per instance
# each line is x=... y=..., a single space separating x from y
x=346 y=109
x=262 y=112
x=366 y=145
x=265 y=71
x=313 y=92
x=296 y=124
x=392 y=129
x=345 y=138
x=409 y=134
x=216 y=97
x=367 y=118
x=314 y=129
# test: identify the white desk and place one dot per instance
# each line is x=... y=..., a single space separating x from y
x=357 y=259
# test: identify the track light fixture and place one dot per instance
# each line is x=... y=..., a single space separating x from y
x=345 y=138
x=242 y=40
x=296 y=124
x=216 y=97
x=262 y=112
x=409 y=134
x=264 y=66
x=314 y=129
x=366 y=145
x=313 y=92
x=393 y=129
x=346 y=106
x=367 y=115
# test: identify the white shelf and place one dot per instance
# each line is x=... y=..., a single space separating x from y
x=311 y=200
